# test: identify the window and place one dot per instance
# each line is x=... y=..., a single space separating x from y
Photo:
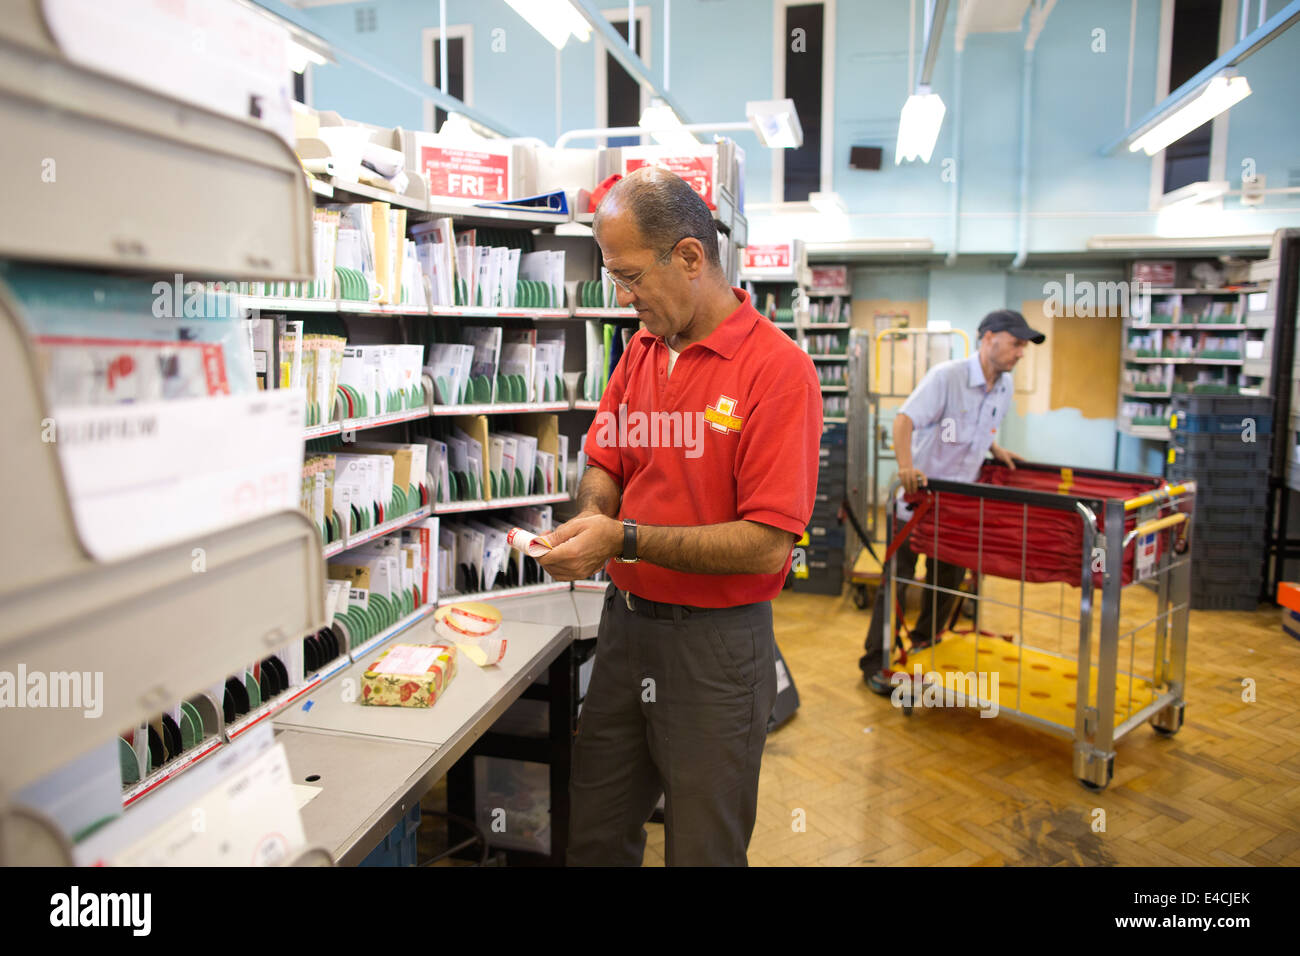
x=804 y=26
x=803 y=58
x=460 y=44
x=622 y=92
x=620 y=98
x=1193 y=46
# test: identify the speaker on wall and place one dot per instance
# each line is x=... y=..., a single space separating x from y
x=865 y=157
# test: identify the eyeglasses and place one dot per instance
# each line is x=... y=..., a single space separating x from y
x=627 y=284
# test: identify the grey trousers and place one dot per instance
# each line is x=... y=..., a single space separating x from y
x=677 y=706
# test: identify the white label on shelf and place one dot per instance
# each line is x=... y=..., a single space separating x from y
x=148 y=475
x=408 y=660
x=1144 y=557
x=250 y=819
x=220 y=55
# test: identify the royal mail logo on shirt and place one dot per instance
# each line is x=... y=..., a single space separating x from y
x=722 y=417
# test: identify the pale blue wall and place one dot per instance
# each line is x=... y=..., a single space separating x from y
x=722 y=56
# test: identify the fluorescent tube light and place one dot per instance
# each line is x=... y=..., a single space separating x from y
x=665 y=127
x=776 y=122
x=1156 y=243
x=1222 y=92
x=918 y=126
x=870 y=246
x=556 y=20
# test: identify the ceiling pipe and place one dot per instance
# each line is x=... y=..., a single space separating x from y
x=936 y=12
x=951 y=258
x=1026 y=105
x=568 y=137
x=1038 y=14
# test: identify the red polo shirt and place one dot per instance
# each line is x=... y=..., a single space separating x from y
x=732 y=434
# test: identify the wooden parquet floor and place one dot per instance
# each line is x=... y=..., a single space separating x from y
x=944 y=787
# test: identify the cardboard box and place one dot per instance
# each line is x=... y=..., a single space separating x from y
x=409 y=675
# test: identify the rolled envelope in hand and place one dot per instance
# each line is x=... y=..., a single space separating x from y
x=533 y=545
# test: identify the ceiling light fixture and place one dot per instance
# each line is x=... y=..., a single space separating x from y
x=1223 y=91
x=664 y=126
x=556 y=20
x=776 y=122
x=918 y=126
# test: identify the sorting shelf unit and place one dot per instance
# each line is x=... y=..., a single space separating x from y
x=153 y=627
x=1191 y=341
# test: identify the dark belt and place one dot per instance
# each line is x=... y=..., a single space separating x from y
x=672 y=612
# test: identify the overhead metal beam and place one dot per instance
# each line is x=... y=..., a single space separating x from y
x=619 y=49
x=338 y=44
x=1275 y=26
x=936 y=12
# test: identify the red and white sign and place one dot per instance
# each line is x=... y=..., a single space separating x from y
x=830 y=279
x=767 y=256
x=466 y=173
x=697 y=170
x=1155 y=273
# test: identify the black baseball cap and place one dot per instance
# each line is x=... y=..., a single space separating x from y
x=1007 y=320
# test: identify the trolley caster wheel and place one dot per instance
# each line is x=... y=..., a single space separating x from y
x=968 y=609
x=860 y=598
x=907 y=711
x=1093 y=787
x=1168 y=722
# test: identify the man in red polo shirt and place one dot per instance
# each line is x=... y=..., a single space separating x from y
x=704 y=469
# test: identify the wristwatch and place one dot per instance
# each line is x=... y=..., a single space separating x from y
x=629 y=543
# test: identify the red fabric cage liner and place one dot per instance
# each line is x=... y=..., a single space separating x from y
x=1045 y=543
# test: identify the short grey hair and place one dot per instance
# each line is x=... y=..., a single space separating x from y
x=666 y=211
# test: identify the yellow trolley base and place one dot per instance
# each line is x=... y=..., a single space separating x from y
x=1030 y=682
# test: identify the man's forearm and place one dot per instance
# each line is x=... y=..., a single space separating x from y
x=599 y=493
x=735 y=547
x=903 y=440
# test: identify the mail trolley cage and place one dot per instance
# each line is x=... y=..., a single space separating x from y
x=1038 y=524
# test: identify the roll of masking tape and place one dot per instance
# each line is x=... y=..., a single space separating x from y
x=472 y=627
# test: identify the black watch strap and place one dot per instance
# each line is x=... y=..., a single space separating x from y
x=629 y=541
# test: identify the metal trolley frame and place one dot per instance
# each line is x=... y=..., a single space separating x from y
x=1096 y=724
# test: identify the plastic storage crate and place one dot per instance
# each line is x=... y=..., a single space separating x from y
x=399 y=847
x=825 y=571
x=1216 y=479
x=1223 y=424
x=514 y=803
x=1197 y=404
x=1218 y=444
x=1214 y=498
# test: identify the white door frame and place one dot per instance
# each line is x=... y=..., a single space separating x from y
x=430 y=35
x=780 y=47
x=619 y=15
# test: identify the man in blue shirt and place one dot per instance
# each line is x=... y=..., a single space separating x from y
x=944 y=430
